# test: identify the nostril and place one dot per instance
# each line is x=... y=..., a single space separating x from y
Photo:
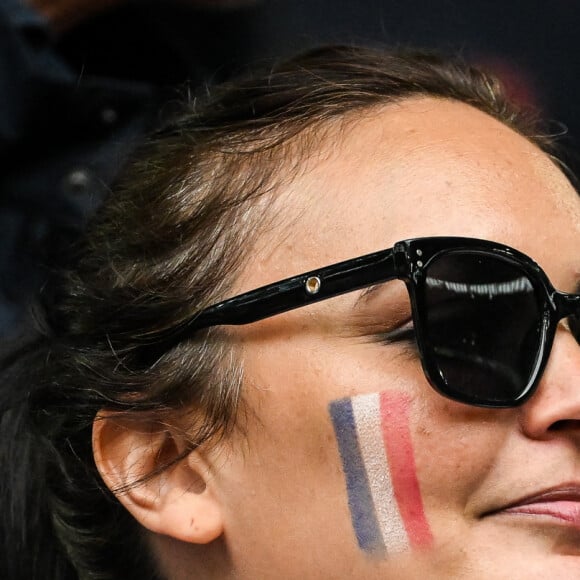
x=565 y=425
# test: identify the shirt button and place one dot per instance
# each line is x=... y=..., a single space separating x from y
x=77 y=181
x=109 y=116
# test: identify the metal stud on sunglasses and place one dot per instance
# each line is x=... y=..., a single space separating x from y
x=485 y=314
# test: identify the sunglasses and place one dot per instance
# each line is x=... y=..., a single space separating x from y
x=484 y=314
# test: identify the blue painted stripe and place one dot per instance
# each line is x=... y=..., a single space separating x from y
x=360 y=501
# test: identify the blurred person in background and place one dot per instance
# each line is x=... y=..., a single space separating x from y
x=81 y=82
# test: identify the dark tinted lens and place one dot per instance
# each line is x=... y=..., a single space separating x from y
x=482 y=325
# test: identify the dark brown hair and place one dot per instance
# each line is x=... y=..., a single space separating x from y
x=170 y=240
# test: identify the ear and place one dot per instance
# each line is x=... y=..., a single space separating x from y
x=179 y=502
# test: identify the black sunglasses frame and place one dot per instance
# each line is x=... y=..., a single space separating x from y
x=407 y=261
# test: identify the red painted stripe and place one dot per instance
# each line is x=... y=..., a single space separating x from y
x=399 y=448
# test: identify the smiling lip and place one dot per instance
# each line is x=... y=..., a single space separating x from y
x=561 y=503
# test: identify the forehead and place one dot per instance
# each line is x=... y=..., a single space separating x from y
x=418 y=168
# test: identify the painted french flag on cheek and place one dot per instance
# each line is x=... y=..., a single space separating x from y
x=384 y=498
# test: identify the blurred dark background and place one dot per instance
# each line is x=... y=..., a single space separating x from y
x=531 y=43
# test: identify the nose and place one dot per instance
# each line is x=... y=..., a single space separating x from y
x=554 y=409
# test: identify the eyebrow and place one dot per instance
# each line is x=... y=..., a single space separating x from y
x=368 y=293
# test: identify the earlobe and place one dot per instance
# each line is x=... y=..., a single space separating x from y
x=179 y=501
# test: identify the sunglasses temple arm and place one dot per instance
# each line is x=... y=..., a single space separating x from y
x=282 y=296
x=299 y=291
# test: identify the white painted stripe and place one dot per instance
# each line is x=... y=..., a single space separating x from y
x=366 y=410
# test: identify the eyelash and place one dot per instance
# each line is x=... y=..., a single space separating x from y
x=404 y=333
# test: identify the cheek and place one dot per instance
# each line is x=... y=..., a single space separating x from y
x=377 y=456
x=457 y=450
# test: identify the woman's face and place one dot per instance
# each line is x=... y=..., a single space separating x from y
x=442 y=473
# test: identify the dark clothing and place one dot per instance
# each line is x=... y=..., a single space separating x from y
x=63 y=137
x=73 y=109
